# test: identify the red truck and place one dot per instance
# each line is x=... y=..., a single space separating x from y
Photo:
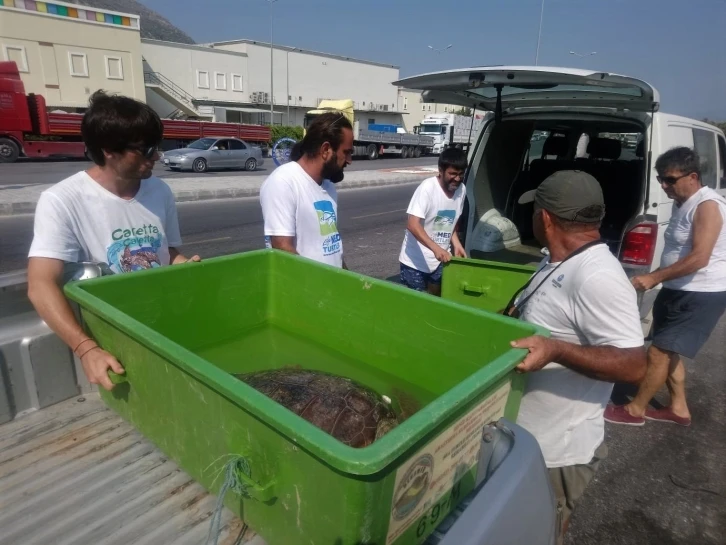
x=28 y=129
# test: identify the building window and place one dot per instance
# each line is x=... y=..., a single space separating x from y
x=202 y=79
x=114 y=67
x=237 y=82
x=371 y=120
x=405 y=103
x=79 y=64
x=16 y=53
x=220 y=81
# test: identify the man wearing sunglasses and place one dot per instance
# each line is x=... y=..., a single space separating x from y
x=115 y=212
x=693 y=297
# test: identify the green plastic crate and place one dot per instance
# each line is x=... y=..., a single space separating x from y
x=486 y=285
x=180 y=331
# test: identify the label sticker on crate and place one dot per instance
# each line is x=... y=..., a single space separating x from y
x=430 y=473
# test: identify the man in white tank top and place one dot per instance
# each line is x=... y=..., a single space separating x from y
x=693 y=298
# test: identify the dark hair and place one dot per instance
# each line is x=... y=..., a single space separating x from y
x=327 y=127
x=683 y=159
x=114 y=122
x=452 y=158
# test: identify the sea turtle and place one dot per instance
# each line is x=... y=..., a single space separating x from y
x=347 y=410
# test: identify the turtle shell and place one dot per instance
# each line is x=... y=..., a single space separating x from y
x=350 y=412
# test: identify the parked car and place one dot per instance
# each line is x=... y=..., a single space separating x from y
x=214 y=153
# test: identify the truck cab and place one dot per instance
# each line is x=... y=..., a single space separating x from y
x=437 y=127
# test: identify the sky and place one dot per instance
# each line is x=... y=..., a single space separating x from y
x=678 y=46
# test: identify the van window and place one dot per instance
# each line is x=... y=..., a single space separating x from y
x=722 y=161
x=705 y=144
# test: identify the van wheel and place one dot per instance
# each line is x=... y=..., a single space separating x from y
x=199 y=165
x=9 y=151
x=372 y=152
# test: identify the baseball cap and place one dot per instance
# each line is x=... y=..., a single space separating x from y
x=572 y=195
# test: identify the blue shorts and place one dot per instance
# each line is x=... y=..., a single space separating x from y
x=417 y=280
x=684 y=320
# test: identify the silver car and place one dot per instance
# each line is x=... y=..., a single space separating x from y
x=214 y=153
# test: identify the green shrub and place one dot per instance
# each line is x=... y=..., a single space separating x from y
x=285 y=131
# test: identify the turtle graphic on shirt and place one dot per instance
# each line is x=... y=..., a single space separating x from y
x=144 y=258
x=444 y=220
x=134 y=253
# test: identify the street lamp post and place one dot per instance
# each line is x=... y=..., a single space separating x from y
x=272 y=72
x=539 y=36
x=432 y=48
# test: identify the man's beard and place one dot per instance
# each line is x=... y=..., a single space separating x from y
x=331 y=171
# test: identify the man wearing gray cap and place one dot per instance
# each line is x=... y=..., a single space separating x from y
x=580 y=293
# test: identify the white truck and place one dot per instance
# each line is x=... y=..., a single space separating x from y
x=372 y=141
x=72 y=472
x=452 y=130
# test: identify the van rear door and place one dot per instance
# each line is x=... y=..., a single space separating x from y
x=534 y=86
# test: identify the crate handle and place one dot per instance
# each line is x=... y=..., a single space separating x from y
x=474 y=289
x=116 y=378
x=263 y=493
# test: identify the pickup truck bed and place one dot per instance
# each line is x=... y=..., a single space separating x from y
x=75 y=473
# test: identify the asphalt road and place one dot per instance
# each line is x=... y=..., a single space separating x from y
x=660 y=484
x=51 y=171
x=371 y=223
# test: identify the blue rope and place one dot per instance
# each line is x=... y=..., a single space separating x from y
x=231 y=482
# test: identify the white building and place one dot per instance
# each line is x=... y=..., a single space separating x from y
x=411 y=103
x=189 y=80
x=65 y=52
x=230 y=81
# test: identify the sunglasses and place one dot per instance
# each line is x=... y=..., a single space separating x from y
x=147 y=152
x=671 y=180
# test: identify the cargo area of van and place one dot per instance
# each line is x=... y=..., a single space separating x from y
x=517 y=154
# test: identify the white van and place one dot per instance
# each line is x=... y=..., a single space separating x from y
x=619 y=119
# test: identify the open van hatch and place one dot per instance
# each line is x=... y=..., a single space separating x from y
x=533 y=86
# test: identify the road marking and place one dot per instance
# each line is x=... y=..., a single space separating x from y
x=378 y=214
x=206 y=241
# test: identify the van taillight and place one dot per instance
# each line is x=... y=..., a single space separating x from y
x=639 y=244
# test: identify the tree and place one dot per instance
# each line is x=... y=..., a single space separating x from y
x=464 y=111
x=720 y=124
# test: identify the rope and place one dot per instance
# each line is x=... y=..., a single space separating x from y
x=231 y=482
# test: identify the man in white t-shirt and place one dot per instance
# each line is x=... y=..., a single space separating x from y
x=115 y=212
x=693 y=297
x=581 y=294
x=299 y=201
x=433 y=213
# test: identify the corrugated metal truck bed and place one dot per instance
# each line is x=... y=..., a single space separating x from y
x=75 y=473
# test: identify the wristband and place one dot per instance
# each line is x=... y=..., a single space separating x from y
x=81 y=343
x=87 y=351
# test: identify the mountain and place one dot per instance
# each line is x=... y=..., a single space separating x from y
x=153 y=25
